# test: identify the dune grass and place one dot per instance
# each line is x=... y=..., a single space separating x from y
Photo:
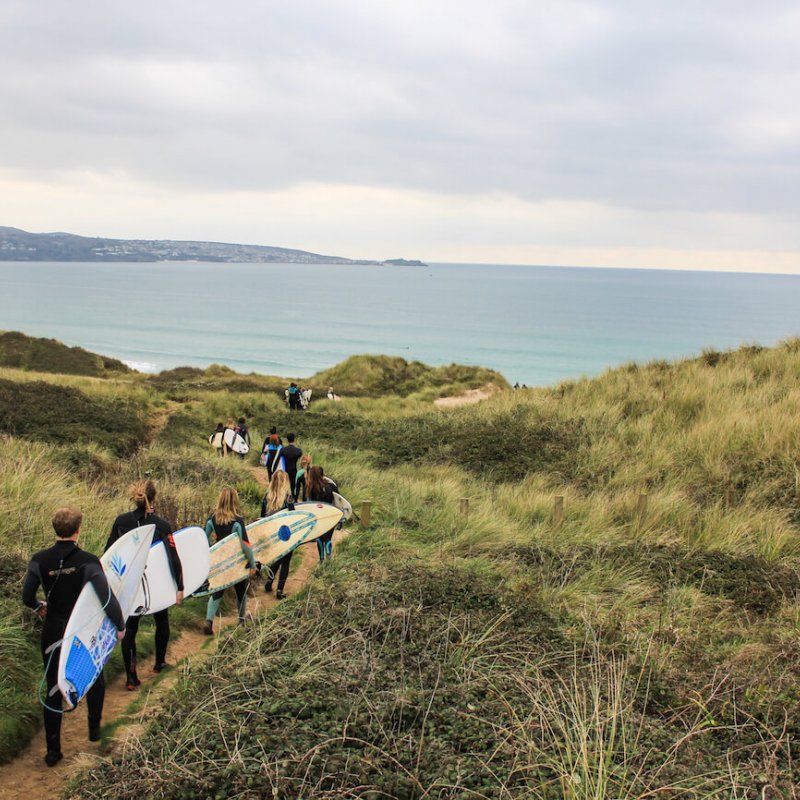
x=629 y=648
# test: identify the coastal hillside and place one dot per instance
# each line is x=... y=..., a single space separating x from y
x=585 y=591
x=19 y=245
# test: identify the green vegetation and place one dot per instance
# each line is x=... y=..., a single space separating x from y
x=376 y=376
x=644 y=645
x=48 y=355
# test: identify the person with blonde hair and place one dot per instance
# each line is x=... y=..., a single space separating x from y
x=143 y=495
x=300 y=480
x=278 y=497
x=225 y=520
x=62 y=571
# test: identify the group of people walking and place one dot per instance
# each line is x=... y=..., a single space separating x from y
x=62 y=570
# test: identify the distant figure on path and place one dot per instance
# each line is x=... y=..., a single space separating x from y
x=217 y=440
x=320 y=490
x=278 y=498
x=300 y=480
x=291 y=455
x=243 y=431
x=62 y=571
x=293 y=395
x=271 y=456
x=225 y=520
x=332 y=395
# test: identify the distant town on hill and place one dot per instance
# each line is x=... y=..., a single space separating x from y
x=19 y=245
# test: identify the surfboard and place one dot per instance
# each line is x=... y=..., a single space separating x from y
x=343 y=505
x=271 y=538
x=157 y=588
x=235 y=441
x=90 y=635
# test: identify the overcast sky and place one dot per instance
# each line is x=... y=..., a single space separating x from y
x=610 y=133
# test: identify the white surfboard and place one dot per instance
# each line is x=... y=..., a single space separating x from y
x=90 y=635
x=157 y=588
x=235 y=441
x=343 y=505
x=270 y=538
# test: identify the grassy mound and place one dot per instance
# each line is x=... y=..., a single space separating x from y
x=51 y=413
x=48 y=355
x=376 y=376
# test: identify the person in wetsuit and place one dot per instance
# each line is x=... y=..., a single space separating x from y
x=279 y=497
x=291 y=455
x=143 y=494
x=62 y=571
x=320 y=489
x=271 y=452
x=225 y=520
x=300 y=480
x=243 y=431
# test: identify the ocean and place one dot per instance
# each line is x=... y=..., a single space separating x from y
x=535 y=325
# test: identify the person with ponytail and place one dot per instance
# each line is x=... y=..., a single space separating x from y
x=225 y=520
x=320 y=490
x=143 y=495
x=279 y=497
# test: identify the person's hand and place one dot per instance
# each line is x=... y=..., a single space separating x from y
x=253 y=573
x=120 y=635
x=178 y=598
x=41 y=612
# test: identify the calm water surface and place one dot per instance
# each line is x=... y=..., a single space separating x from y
x=536 y=325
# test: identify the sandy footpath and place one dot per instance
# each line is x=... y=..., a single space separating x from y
x=28 y=778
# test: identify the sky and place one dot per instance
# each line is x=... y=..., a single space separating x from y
x=621 y=133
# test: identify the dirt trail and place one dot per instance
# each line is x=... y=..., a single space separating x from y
x=469 y=397
x=28 y=777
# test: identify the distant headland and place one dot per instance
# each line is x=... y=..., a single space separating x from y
x=19 y=245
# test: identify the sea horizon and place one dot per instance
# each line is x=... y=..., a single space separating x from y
x=535 y=324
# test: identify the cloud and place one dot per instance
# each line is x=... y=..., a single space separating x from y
x=680 y=113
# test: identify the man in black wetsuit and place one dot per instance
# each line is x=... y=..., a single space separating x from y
x=291 y=455
x=62 y=571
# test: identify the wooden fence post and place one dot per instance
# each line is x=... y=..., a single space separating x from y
x=463 y=506
x=558 y=510
x=366 y=513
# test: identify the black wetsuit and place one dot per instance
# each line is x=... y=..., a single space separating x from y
x=281 y=566
x=163 y=533
x=62 y=571
x=291 y=455
x=325 y=495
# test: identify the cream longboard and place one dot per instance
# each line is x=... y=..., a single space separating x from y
x=271 y=538
x=157 y=589
x=90 y=635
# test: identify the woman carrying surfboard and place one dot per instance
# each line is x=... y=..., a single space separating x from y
x=143 y=494
x=279 y=497
x=320 y=489
x=271 y=453
x=225 y=520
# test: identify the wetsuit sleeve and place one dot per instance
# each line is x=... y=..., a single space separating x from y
x=175 y=566
x=96 y=576
x=211 y=534
x=264 y=506
x=245 y=544
x=290 y=503
x=112 y=537
x=33 y=580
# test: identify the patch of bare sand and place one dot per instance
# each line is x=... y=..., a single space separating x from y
x=469 y=397
x=28 y=777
